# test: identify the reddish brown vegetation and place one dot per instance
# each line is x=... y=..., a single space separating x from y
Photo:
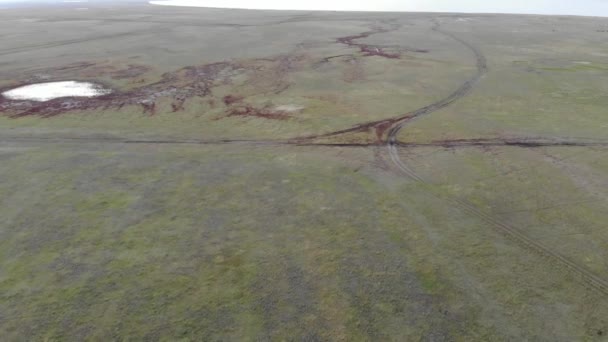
x=149 y=107
x=180 y=85
x=327 y=59
x=177 y=104
x=368 y=50
x=266 y=74
x=265 y=113
x=231 y=99
x=373 y=50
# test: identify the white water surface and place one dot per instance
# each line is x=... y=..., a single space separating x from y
x=53 y=90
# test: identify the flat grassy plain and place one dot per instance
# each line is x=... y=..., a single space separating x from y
x=228 y=190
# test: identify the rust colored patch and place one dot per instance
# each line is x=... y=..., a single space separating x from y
x=149 y=107
x=264 y=75
x=265 y=113
x=382 y=127
x=180 y=85
x=369 y=50
x=177 y=104
x=327 y=59
x=231 y=99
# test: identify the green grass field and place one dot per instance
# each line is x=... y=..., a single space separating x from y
x=244 y=206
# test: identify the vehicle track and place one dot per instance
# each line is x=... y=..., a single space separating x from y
x=523 y=143
x=585 y=275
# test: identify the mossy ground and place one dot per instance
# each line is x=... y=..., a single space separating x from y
x=183 y=242
x=101 y=239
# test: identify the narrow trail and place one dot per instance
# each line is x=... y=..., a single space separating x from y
x=585 y=275
x=524 y=142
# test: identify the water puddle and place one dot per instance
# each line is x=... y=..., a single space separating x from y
x=53 y=90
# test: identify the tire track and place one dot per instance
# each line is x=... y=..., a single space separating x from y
x=523 y=143
x=585 y=275
x=115 y=140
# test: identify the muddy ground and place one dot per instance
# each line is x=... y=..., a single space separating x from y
x=263 y=175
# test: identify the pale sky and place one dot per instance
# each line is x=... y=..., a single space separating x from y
x=573 y=7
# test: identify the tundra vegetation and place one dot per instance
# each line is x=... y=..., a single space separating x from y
x=264 y=175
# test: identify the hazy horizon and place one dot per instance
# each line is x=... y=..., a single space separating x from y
x=547 y=7
x=555 y=7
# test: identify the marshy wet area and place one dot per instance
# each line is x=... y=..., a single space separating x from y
x=159 y=82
